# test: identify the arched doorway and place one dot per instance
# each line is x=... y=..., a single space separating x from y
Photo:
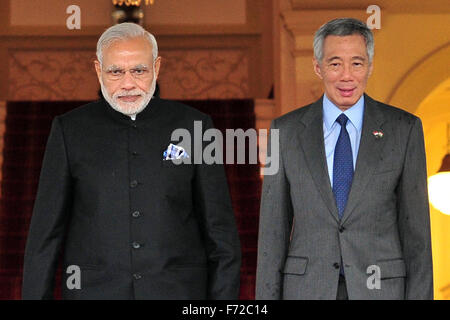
x=421 y=79
x=435 y=114
x=425 y=91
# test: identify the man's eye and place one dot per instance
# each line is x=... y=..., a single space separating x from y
x=116 y=72
x=335 y=64
x=139 y=71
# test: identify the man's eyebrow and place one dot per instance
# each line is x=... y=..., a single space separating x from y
x=113 y=67
x=333 y=58
x=339 y=58
x=140 y=66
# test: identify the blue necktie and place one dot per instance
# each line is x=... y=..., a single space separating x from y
x=342 y=166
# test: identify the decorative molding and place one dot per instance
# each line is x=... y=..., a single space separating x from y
x=331 y=5
x=251 y=25
x=204 y=74
x=52 y=75
x=410 y=6
x=306 y=22
x=50 y=48
x=185 y=74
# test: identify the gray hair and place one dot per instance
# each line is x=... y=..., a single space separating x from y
x=343 y=27
x=124 y=31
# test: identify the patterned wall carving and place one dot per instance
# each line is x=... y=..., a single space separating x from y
x=70 y=75
x=204 y=74
x=52 y=75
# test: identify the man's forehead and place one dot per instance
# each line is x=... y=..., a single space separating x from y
x=125 y=63
x=356 y=40
x=337 y=57
x=124 y=49
x=345 y=37
x=340 y=45
x=141 y=42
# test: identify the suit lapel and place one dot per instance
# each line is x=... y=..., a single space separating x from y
x=368 y=155
x=312 y=143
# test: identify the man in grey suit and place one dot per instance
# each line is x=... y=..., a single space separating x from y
x=346 y=216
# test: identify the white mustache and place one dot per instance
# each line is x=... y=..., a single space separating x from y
x=129 y=93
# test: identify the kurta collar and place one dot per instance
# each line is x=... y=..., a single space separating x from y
x=141 y=117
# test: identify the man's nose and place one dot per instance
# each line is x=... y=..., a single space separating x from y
x=128 y=82
x=347 y=73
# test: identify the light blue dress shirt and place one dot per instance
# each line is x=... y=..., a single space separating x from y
x=331 y=129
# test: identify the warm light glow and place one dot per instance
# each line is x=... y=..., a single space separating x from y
x=439 y=191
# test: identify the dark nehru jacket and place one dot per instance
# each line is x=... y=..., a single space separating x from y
x=138 y=226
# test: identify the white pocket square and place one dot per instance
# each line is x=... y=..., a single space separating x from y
x=175 y=152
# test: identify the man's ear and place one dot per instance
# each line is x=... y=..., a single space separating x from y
x=98 y=69
x=370 y=68
x=316 y=66
x=157 y=66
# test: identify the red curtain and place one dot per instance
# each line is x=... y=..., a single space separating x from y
x=27 y=128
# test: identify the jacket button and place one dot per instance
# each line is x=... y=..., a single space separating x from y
x=137 y=276
x=336 y=265
x=136 y=214
x=134 y=153
x=136 y=245
x=341 y=229
x=133 y=184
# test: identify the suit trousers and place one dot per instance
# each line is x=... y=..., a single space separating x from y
x=342 y=289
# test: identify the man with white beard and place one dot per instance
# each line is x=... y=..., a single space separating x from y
x=131 y=223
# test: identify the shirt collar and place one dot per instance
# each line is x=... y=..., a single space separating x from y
x=354 y=113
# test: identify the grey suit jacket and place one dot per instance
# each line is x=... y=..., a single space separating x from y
x=383 y=239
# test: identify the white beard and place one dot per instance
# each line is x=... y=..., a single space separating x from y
x=129 y=108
